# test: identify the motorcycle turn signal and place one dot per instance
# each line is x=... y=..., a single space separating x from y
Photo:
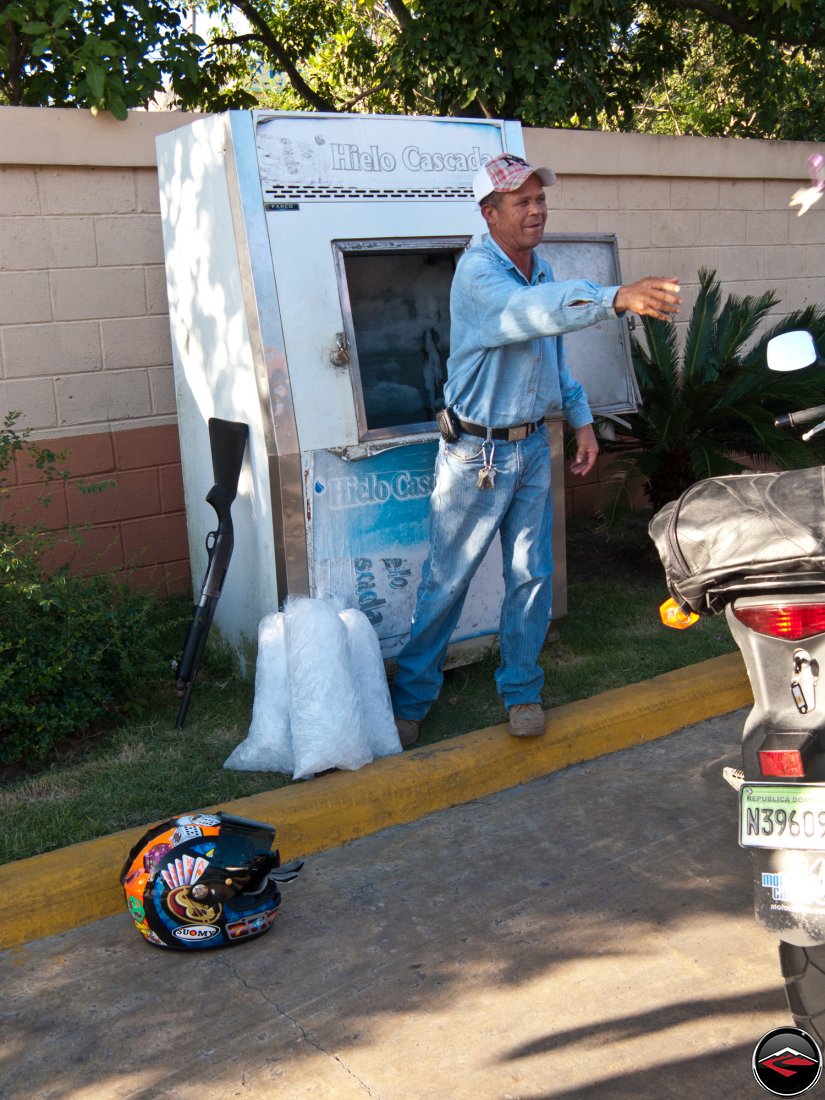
x=673 y=616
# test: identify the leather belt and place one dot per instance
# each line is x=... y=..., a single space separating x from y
x=511 y=435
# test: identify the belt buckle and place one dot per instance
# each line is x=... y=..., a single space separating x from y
x=517 y=433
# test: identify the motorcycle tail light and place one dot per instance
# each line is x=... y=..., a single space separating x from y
x=785 y=763
x=784 y=620
x=785 y=754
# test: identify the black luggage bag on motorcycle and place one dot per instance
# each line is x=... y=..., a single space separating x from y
x=727 y=536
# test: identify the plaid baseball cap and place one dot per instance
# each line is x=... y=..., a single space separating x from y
x=507 y=173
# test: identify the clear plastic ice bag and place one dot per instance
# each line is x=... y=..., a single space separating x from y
x=268 y=745
x=368 y=668
x=324 y=703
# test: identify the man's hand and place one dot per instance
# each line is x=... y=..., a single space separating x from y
x=655 y=296
x=587 y=450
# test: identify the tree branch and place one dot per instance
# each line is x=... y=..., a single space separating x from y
x=235 y=40
x=740 y=24
x=274 y=47
x=18 y=47
x=753 y=25
x=350 y=103
x=401 y=12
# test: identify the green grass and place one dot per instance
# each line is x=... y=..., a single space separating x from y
x=612 y=635
x=143 y=770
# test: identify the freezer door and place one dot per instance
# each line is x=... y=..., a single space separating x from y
x=599 y=357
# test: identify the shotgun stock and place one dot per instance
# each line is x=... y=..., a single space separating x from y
x=227 y=438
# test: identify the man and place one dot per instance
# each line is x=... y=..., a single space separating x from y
x=506 y=372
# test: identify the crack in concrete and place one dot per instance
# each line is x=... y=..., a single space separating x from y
x=300 y=1029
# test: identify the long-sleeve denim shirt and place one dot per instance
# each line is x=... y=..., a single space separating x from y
x=506 y=363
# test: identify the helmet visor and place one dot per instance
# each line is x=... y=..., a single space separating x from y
x=242 y=858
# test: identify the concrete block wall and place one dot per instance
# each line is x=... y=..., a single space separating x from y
x=136 y=527
x=84 y=345
x=679 y=204
x=85 y=353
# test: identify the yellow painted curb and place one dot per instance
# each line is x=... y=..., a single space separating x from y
x=73 y=886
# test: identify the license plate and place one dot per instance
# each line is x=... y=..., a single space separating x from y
x=782 y=816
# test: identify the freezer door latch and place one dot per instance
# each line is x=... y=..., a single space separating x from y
x=339 y=356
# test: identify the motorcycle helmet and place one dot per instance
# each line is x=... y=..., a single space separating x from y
x=204 y=880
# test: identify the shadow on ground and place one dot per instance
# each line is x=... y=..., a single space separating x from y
x=589 y=934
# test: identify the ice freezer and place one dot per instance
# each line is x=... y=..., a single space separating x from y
x=309 y=259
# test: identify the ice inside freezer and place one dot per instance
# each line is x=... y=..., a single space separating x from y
x=399 y=313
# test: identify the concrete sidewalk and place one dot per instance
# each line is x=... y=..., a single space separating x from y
x=73 y=886
x=586 y=934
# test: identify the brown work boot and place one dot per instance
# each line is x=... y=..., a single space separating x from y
x=408 y=731
x=526 y=720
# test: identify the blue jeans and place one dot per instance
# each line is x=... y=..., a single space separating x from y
x=463 y=522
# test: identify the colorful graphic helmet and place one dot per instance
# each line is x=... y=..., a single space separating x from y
x=204 y=880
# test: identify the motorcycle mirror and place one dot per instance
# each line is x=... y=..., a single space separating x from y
x=792 y=351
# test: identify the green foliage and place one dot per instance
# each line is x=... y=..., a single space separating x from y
x=326 y=55
x=506 y=59
x=670 y=66
x=717 y=81
x=525 y=60
x=100 y=54
x=73 y=647
x=666 y=66
x=714 y=401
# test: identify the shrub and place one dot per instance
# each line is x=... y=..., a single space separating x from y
x=73 y=647
x=711 y=399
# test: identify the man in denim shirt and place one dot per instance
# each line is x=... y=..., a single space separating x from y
x=505 y=374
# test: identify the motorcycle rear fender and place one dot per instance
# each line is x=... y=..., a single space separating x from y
x=770 y=665
x=789 y=886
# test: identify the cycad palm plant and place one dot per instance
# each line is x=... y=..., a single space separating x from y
x=712 y=404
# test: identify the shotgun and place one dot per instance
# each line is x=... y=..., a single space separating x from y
x=227 y=438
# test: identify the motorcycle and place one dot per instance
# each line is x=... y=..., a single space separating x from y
x=753 y=546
